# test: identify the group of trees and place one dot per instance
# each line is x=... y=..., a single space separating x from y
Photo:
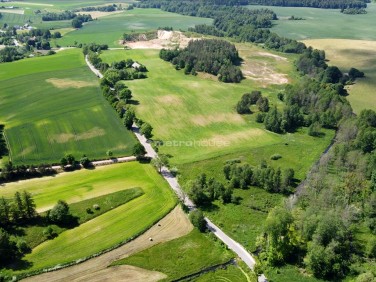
x=108 y=8
x=264 y=176
x=20 y=209
x=12 y=172
x=217 y=57
x=253 y=98
x=65 y=15
x=70 y=160
x=78 y=20
x=204 y=191
x=339 y=195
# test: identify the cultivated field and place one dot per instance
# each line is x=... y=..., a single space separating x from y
x=324 y=23
x=106 y=230
x=109 y=30
x=52 y=106
x=360 y=54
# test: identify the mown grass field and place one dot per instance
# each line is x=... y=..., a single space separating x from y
x=109 y=29
x=360 y=54
x=324 y=23
x=33 y=233
x=52 y=106
x=190 y=109
x=229 y=274
x=106 y=230
x=180 y=257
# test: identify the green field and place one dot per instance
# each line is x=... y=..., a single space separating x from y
x=180 y=257
x=106 y=230
x=109 y=29
x=229 y=274
x=324 y=23
x=190 y=109
x=181 y=107
x=360 y=54
x=52 y=106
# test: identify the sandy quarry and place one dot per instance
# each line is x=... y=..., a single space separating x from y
x=165 y=39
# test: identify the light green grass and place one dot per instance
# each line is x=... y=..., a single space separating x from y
x=194 y=109
x=229 y=274
x=34 y=232
x=43 y=121
x=109 y=229
x=180 y=257
x=360 y=54
x=109 y=29
x=324 y=23
x=80 y=185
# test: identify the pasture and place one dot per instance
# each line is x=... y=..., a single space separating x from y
x=323 y=23
x=195 y=117
x=109 y=29
x=52 y=106
x=230 y=274
x=102 y=232
x=360 y=54
x=197 y=112
x=180 y=257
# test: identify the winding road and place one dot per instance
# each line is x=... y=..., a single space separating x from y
x=173 y=183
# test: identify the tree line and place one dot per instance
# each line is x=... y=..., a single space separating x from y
x=217 y=57
x=107 y=8
x=323 y=4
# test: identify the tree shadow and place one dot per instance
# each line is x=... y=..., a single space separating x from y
x=20 y=264
x=209 y=207
x=133 y=102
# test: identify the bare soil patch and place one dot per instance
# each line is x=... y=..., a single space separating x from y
x=222 y=139
x=66 y=137
x=278 y=58
x=263 y=72
x=99 y=14
x=70 y=83
x=165 y=39
x=172 y=226
x=12 y=11
x=170 y=100
x=204 y=120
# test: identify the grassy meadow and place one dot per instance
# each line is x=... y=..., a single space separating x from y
x=190 y=109
x=180 y=257
x=106 y=230
x=360 y=54
x=230 y=274
x=323 y=23
x=109 y=29
x=52 y=106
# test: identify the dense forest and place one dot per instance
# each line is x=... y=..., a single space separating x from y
x=324 y=4
x=217 y=57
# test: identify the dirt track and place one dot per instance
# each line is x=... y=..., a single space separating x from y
x=174 y=225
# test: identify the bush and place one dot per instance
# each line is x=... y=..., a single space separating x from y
x=198 y=220
x=49 y=233
x=275 y=157
x=60 y=212
x=96 y=207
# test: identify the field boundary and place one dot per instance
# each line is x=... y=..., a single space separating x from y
x=81 y=260
x=8 y=145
